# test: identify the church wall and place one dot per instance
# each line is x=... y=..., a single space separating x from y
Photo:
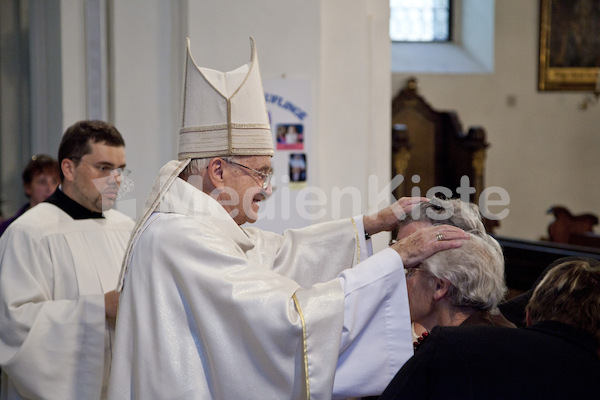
x=339 y=47
x=543 y=148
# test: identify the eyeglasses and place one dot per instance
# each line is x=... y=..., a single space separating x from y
x=106 y=170
x=408 y=272
x=266 y=178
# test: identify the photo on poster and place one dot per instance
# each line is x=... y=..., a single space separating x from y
x=290 y=137
x=297 y=168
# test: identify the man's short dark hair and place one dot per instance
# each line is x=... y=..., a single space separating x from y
x=76 y=141
x=39 y=164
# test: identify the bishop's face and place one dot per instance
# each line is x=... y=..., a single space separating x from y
x=244 y=187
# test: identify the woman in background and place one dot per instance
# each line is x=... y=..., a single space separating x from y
x=40 y=180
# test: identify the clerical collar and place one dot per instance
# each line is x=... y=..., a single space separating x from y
x=70 y=206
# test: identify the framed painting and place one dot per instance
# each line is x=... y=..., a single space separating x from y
x=569 y=45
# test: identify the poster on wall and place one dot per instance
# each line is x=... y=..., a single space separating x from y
x=288 y=104
x=289 y=136
x=297 y=170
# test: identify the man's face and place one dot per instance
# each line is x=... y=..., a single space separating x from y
x=244 y=190
x=92 y=184
x=41 y=187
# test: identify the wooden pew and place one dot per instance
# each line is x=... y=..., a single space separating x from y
x=525 y=260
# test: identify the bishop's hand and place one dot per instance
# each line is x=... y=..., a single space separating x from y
x=389 y=217
x=427 y=241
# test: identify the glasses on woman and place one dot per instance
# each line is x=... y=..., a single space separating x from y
x=266 y=178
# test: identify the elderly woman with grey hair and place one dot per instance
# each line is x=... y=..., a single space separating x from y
x=459 y=286
x=453 y=212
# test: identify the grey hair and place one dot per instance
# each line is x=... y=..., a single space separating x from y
x=453 y=212
x=475 y=271
x=197 y=166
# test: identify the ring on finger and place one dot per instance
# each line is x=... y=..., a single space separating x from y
x=439 y=237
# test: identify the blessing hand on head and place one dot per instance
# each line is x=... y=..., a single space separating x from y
x=389 y=217
x=427 y=241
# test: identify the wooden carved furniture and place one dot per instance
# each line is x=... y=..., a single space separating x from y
x=573 y=229
x=569 y=236
x=430 y=148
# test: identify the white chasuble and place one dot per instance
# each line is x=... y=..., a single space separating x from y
x=55 y=342
x=213 y=311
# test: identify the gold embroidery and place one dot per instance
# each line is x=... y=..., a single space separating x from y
x=253 y=56
x=305 y=350
x=229 y=139
x=357 y=241
x=204 y=128
x=251 y=126
x=222 y=127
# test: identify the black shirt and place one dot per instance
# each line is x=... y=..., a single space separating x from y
x=70 y=206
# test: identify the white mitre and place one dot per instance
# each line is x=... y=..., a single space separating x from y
x=224 y=114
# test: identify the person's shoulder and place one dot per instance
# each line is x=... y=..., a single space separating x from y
x=476 y=334
x=498 y=360
x=4 y=224
x=162 y=231
x=40 y=216
x=118 y=217
x=198 y=232
x=173 y=226
x=473 y=330
x=254 y=232
x=493 y=341
x=37 y=222
x=556 y=332
x=472 y=345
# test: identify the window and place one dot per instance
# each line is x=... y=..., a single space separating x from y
x=469 y=50
x=420 y=20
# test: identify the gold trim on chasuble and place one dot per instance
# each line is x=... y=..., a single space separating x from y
x=229 y=138
x=357 y=241
x=297 y=304
x=304 y=346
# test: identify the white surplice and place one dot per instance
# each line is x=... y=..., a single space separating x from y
x=55 y=342
x=213 y=311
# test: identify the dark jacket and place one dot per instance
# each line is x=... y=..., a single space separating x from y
x=549 y=360
x=486 y=318
x=4 y=224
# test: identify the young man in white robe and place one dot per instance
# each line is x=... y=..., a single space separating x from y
x=59 y=266
x=214 y=310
